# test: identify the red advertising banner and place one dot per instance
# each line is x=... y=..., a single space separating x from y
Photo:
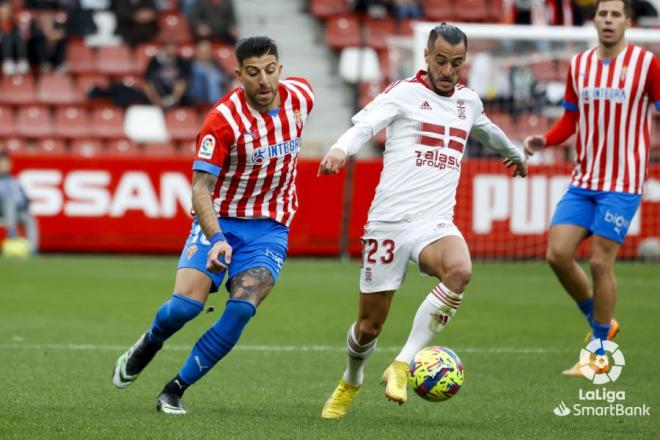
x=138 y=205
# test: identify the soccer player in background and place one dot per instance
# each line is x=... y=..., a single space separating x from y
x=610 y=90
x=244 y=198
x=428 y=119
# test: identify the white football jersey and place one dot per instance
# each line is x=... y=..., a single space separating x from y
x=426 y=139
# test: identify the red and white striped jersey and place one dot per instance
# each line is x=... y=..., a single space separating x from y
x=614 y=99
x=255 y=154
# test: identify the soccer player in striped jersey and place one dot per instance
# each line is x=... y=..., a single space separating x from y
x=428 y=119
x=244 y=198
x=610 y=91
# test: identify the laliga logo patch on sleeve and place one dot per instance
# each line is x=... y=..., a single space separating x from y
x=206 y=147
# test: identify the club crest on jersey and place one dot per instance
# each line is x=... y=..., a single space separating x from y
x=460 y=108
x=299 y=122
x=206 y=147
x=262 y=155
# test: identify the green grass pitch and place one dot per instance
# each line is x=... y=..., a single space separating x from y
x=64 y=321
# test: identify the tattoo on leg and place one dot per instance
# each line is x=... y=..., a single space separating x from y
x=252 y=285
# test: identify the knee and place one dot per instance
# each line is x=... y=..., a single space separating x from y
x=558 y=258
x=367 y=330
x=599 y=264
x=457 y=277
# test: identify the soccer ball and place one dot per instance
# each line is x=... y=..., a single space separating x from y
x=436 y=373
x=16 y=248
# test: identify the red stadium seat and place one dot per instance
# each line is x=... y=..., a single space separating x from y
x=142 y=55
x=328 y=8
x=438 y=10
x=72 y=122
x=108 y=122
x=87 y=147
x=115 y=60
x=34 y=122
x=79 y=57
x=369 y=91
x=505 y=122
x=471 y=10
x=87 y=81
x=174 y=26
x=56 y=89
x=182 y=124
x=135 y=81
x=159 y=149
x=225 y=57
x=378 y=31
x=7 y=122
x=51 y=146
x=17 y=89
x=187 y=51
x=15 y=145
x=342 y=31
x=187 y=149
x=531 y=123
x=122 y=147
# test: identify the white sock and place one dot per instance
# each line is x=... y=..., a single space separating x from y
x=432 y=316
x=357 y=357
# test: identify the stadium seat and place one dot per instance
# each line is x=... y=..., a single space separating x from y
x=56 y=89
x=505 y=122
x=72 y=122
x=368 y=91
x=182 y=124
x=471 y=10
x=496 y=11
x=547 y=71
x=51 y=146
x=187 y=149
x=174 y=26
x=531 y=123
x=342 y=31
x=87 y=147
x=17 y=89
x=85 y=83
x=15 y=145
x=438 y=10
x=187 y=51
x=225 y=57
x=34 y=122
x=377 y=31
x=159 y=149
x=79 y=57
x=135 y=81
x=114 y=60
x=142 y=54
x=108 y=122
x=122 y=147
x=324 y=9
x=359 y=64
x=7 y=121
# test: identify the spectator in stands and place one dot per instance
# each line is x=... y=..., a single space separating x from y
x=214 y=20
x=406 y=9
x=166 y=78
x=208 y=83
x=48 y=40
x=80 y=16
x=137 y=20
x=14 y=205
x=13 y=48
x=373 y=8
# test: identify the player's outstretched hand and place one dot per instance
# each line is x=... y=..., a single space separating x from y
x=332 y=162
x=534 y=143
x=219 y=257
x=521 y=167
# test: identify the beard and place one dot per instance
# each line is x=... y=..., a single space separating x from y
x=432 y=80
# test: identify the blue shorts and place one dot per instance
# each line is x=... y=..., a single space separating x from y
x=254 y=242
x=604 y=213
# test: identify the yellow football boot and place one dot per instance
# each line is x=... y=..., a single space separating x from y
x=575 y=369
x=395 y=379
x=340 y=401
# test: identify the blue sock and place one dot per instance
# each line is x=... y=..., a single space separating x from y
x=587 y=308
x=217 y=341
x=173 y=315
x=600 y=331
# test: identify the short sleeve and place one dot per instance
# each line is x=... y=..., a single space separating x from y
x=571 y=99
x=653 y=82
x=214 y=141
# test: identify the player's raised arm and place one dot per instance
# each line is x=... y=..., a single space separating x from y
x=370 y=120
x=494 y=138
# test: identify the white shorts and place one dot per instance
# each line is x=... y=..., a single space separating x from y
x=387 y=248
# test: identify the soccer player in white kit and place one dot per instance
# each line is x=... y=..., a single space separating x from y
x=428 y=119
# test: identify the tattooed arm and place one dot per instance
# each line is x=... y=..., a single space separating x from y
x=202 y=191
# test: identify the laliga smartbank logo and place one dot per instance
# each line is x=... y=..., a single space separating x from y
x=600 y=369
